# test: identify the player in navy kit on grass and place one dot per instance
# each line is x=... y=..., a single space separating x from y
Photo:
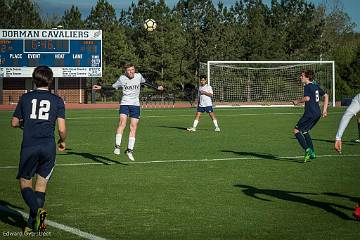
x=312 y=112
x=131 y=83
x=37 y=113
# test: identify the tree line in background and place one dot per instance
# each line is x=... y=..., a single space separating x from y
x=195 y=31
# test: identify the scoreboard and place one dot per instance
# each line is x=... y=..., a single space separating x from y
x=69 y=53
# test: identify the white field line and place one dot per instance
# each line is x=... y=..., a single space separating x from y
x=63 y=227
x=190 y=115
x=192 y=160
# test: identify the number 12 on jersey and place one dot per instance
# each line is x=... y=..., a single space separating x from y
x=43 y=111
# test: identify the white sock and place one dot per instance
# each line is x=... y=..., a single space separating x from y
x=195 y=123
x=215 y=123
x=131 y=143
x=118 y=137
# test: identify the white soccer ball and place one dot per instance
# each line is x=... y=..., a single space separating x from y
x=150 y=25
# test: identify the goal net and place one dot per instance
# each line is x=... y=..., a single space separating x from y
x=265 y=83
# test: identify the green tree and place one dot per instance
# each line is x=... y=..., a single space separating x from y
x=72 y=19
x=116 y=48
x=20 y=14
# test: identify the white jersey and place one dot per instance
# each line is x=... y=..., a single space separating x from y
x=351 y=111
x=205 y=101
x=131 y=89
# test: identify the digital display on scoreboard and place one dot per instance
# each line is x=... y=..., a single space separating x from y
x=78 y=56
x=47 y=46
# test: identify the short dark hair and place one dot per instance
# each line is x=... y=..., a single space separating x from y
x=42 y=76
x=203 y=76
x=309 y=74
x=128 y=65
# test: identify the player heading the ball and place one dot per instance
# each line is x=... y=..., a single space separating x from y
x=130 y=82
x=204 y=104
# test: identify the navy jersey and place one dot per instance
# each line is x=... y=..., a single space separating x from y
x=39 y=111
x=312 y=108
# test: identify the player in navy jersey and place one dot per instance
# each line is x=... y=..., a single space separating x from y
x=312 y=112
x=130 y=83
x=37 y=113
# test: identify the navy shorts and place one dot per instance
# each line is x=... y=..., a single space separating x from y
x=38 y=159
x=130 y=111
x=208 y=109
x=305 y=123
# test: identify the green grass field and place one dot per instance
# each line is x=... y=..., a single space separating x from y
x=246 y=182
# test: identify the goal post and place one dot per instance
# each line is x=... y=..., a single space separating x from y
x=265 y=83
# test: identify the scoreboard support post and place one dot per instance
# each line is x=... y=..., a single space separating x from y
x=80 y=89
x=56 y=85
x=93 y=97
x=1 y=90
x=28 y=84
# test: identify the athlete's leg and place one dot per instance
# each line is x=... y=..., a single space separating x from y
x=119 y=132
x=358 y=125
x=213 y=117
x=30 y=199
x=132 y=136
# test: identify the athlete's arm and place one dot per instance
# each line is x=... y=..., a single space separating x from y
x=115 y=86
x=15 y=122
x=17 y=119
x=351 y=111
x=153 y=85
x=302 y=100
x=62 y=133
x=209 y=94
x=103 y=87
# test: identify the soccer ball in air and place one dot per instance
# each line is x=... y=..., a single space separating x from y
x=150 y=25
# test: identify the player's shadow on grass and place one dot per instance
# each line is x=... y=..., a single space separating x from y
x=353 y=199
x=333 y=141
x=263 y=156
x=294 y=197
x=94 y=157
x=174 y=127
x=10 y=216
x=330 y=141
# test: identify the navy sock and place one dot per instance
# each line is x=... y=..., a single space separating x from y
x=30 y=222
x=40 y=198
x=308 y=140
x=30 y=199
x=301 y=140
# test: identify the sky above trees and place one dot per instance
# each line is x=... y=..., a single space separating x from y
x=51 y=7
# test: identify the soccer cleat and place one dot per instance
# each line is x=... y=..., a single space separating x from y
x=40 y=225
x=357 y=140
x=191 y=129
x=356 y=213
x=27 y=231
x=217 y=129
x=129 y=153
x=307 y=155
x=117 y=150
x=312 y=154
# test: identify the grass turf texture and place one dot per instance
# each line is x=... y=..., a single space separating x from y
x=255 y=190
